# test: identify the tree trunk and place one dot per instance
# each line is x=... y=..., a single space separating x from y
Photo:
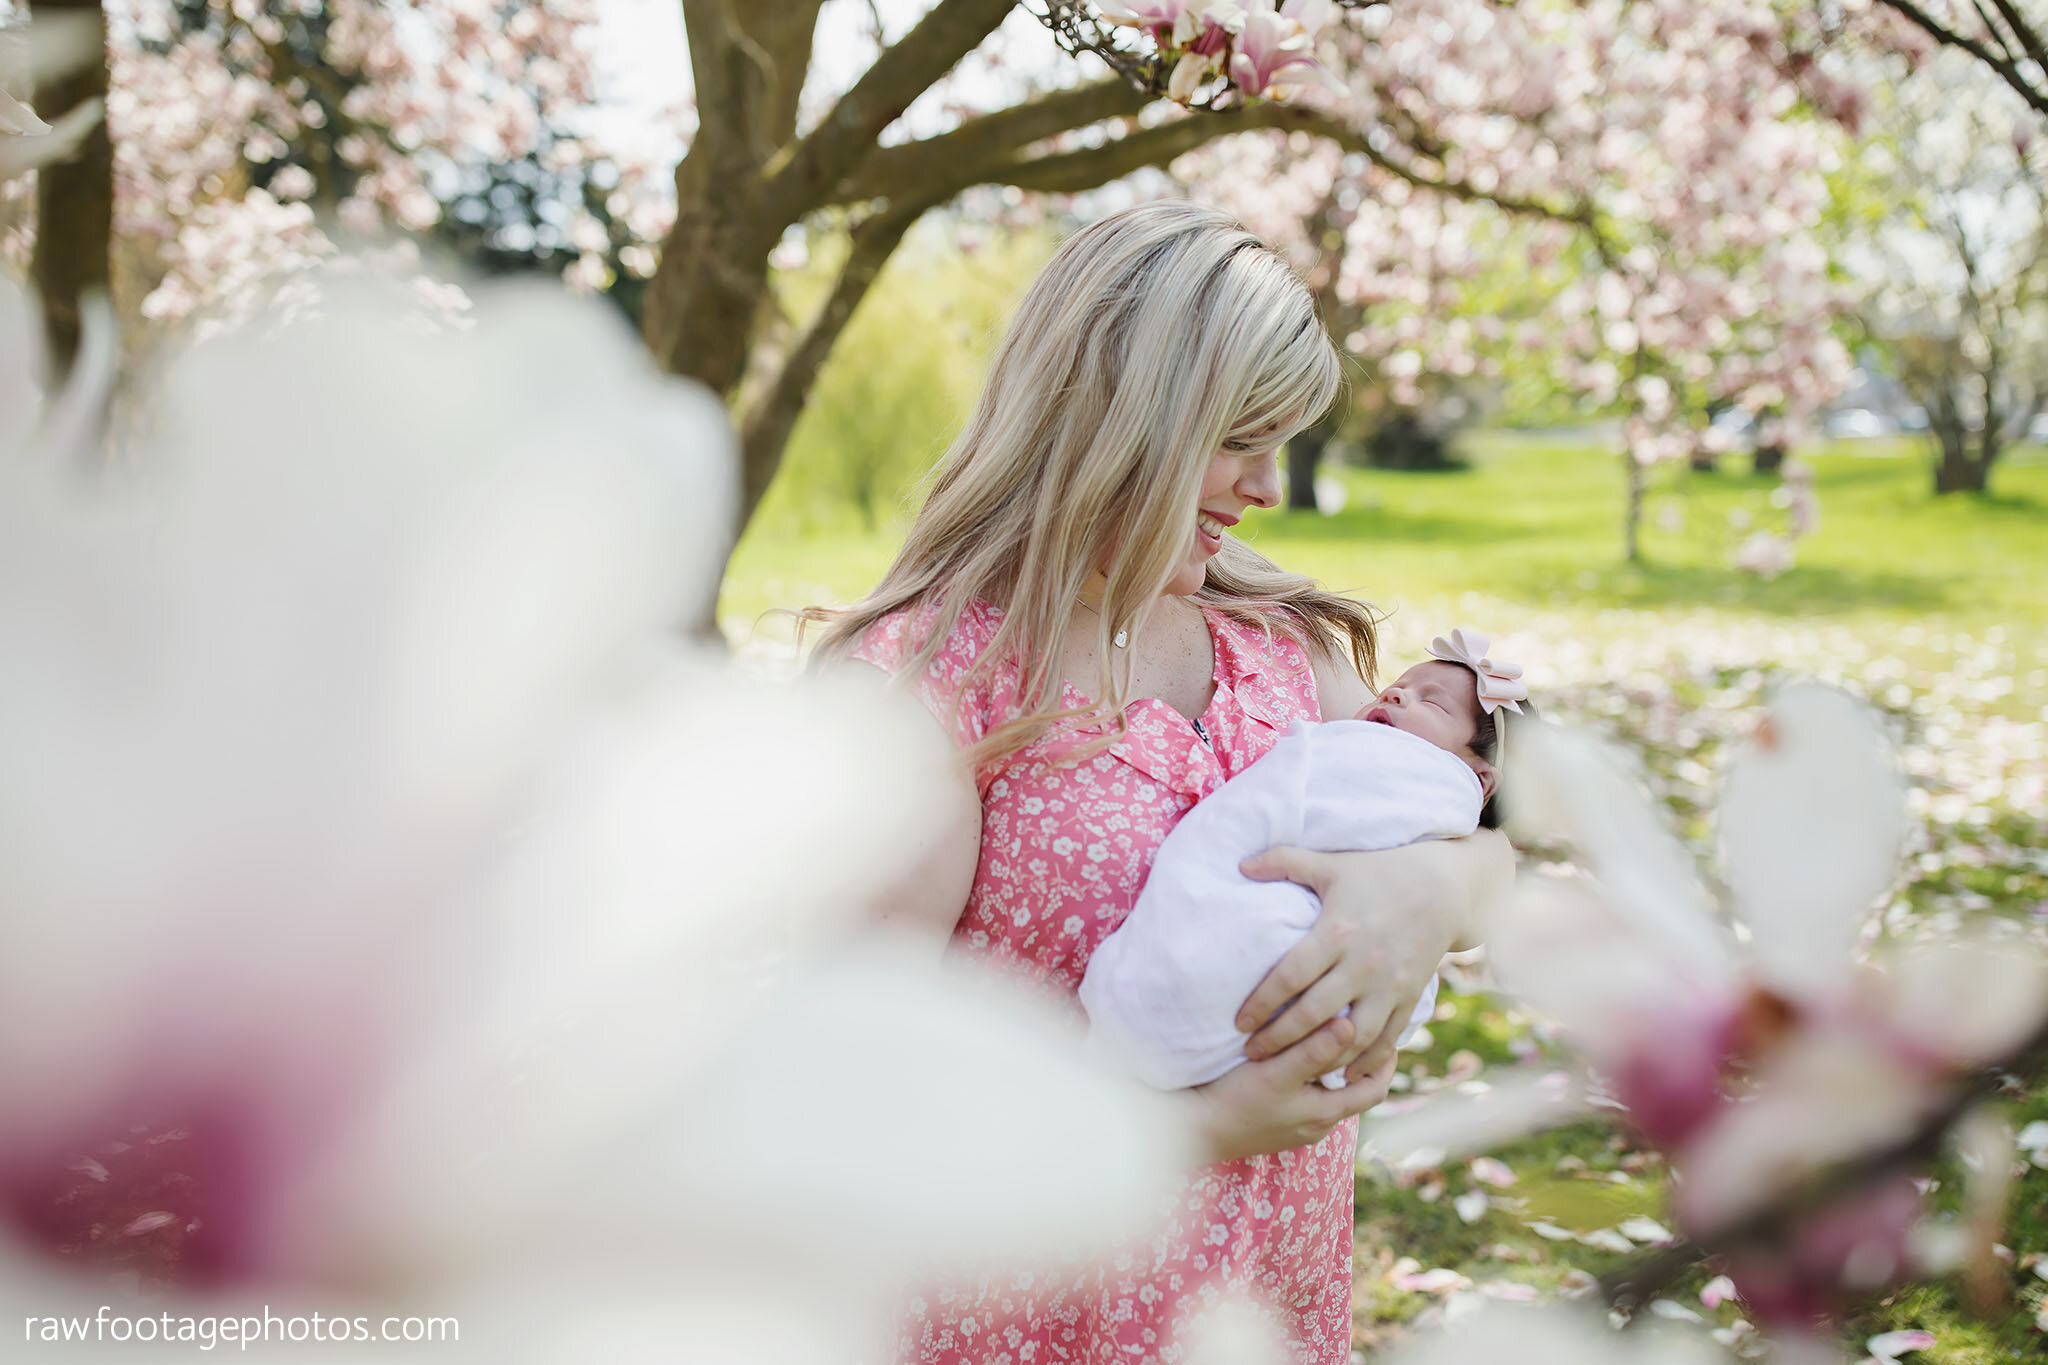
x=1632 y=516
x=1957 y=469
x=74 y=201
x=1958 y=473
x=1305 y=457
x=1767 y=458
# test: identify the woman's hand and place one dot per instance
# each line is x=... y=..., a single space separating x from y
x=1387 y=920
x=1276 y=1104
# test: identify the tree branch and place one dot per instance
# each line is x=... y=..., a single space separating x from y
x=782 y=34
x=712 y=35
x=916 y=167
x=2010 y=73
x=764 y=430
x=1352 y=139
x=2028 y=38
x=801 y=177
x=1084 y=169
x=1991 y=28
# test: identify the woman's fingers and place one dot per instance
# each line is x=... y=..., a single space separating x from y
x=1366 y=1089
x=1305 y=964
x=1318 y=1053
x=1325 y=999
x=1285 y=863
x=1378 y=1052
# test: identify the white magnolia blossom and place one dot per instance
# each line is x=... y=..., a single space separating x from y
x=368 y=842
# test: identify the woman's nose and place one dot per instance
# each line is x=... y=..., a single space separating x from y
x=1259 y=485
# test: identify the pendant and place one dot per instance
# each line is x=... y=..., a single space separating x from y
x=1123 y=638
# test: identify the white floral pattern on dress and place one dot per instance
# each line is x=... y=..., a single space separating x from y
x=1064 y=850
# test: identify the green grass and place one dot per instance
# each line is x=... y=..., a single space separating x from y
x=1536 y=522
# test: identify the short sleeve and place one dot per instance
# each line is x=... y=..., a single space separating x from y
x=962 y=708
x=1269 y=672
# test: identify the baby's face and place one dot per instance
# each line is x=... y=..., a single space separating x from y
x=1436 y=701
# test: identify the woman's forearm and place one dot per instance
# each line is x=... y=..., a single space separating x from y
x=1480 y=873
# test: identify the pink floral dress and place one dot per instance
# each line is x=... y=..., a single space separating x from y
x=1064 y=850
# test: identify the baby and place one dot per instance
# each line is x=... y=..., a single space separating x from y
x=1419 y=762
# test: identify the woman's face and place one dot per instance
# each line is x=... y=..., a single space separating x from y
x=1240 y=475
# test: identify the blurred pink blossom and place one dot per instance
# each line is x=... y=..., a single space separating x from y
x=1759 y=1061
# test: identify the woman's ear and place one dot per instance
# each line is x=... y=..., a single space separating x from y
x=1489 y=778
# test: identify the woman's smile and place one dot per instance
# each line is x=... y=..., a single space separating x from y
x=1209 y=528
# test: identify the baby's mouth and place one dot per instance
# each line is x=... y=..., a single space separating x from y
x=1379 y=715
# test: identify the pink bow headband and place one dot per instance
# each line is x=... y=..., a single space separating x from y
x=1499 y=682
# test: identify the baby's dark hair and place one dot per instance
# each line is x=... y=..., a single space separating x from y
x=1486 y=743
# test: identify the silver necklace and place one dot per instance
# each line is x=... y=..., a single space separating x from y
x=1123 y=636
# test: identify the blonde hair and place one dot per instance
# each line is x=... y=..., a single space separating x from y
x=1150 y=339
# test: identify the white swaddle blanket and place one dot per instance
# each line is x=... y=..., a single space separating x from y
x=1162 y=992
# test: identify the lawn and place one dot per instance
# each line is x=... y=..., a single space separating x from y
x=1935 y=610
x=1536 y=522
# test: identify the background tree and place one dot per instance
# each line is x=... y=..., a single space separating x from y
x=252 y=138
x=2010 y=37
x=1669 y=250
x=253 y=133
x=1953 y=258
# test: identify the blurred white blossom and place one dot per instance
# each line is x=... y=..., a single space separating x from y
x=393 y=912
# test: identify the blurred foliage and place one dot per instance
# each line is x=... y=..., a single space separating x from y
x=901 y=380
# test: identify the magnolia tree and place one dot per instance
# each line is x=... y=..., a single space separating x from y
x=1954 y=271
x=251 y=140
x=259 y=132
x=1673 y=260
x=2008 y=39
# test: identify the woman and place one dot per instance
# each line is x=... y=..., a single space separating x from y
x=1071 y=608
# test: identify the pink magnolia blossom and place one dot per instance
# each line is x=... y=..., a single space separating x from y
x=1271 y=44
x=1755 y=1063
x=1188 y=74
